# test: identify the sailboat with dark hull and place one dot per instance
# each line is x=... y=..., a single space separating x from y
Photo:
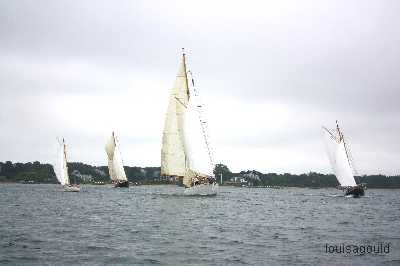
x=356 y=191
x=341 y=161
x=115 y=164
x=185 y=152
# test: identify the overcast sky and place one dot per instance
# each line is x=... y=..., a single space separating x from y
x=270 y=74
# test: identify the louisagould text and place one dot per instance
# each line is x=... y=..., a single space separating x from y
x=380 y=248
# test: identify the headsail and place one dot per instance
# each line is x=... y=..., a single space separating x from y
x=60 y=167
x=173 y=159
x=196 y=146
x=115 y=164
x=338 y=158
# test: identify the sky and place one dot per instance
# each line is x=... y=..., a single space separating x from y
x=270 y=74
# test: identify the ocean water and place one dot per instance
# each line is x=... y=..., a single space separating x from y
x=157 y=225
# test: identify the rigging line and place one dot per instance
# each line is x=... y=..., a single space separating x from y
x=346 y=148
x=179 y=101
x=352 y=163
x=331 y=135
x=349 y=159
x=205 y=135
x=202 y=124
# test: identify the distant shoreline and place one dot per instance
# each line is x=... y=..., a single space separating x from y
x=38 y=173
x=161 y=184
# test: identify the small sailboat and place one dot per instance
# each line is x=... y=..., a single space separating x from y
x=61 y=169
x=185 y=152
x=115 y=164
x=341 y=162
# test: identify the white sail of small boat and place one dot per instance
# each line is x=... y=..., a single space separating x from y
x=340 y=160
x=115 y=164
x=185 y=152
x=61 y=169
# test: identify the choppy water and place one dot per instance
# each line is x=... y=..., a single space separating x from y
x=41 y=225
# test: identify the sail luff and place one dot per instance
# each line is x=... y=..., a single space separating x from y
x=64 y=165
x=58 y=164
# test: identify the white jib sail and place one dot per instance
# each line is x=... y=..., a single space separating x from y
x=339 y=161
x=60 y=166
x=198 y=160
x=115 y=164
x=172 y=152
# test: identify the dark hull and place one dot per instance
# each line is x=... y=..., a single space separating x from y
x=122 y=184
x=356 y=192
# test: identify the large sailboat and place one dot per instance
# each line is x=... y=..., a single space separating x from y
x=61 y=169
x=115 y=165
x=341 y=161
x=185 y=152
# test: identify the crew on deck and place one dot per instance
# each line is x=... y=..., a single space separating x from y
x=197 y=180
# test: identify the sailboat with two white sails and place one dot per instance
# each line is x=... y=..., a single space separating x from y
x=61 y=169
x=341 y=162
x=115 y=164
x=185 y=152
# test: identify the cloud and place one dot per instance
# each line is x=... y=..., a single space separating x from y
x=270 y=73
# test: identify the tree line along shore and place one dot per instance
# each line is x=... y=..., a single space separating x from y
x=36 y=172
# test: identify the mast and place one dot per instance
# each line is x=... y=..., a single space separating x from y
x=113 y=168
x=188 y=96
x=341 y=138
x=65 y=161
x=64 y=149
x=185 y=71
x=338 y=130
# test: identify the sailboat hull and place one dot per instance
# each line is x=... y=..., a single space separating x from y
x=71 y=189
x=122 y=184
x=355 y=192
x=202 y=190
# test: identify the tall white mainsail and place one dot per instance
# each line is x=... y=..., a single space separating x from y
x=185 y=150
x=173 y=158
x=338 y=158
x=115 y=164
x=60 y=167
